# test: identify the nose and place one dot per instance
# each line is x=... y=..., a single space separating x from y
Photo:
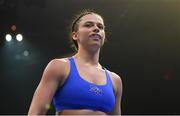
x=95 y=29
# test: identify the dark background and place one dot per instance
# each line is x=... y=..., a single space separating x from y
x=143 y=48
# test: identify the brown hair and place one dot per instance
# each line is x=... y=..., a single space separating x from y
x=74 y=26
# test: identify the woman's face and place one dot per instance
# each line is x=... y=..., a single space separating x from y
x=90 y=31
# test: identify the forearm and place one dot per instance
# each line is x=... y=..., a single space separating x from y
x=37 y=110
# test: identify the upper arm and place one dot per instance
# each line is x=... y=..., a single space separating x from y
x=118 y=93
x=47 y=87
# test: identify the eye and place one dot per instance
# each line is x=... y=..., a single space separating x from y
x=101 y=27
x=87 y=24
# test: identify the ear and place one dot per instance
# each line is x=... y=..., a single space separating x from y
x=74 y=36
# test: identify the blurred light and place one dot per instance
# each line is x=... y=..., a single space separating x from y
x=8 y=37
x=168 y=76
x=13 y=27
x=17 y=57
x=26 y=53
x=19 y=37
x=48 y=106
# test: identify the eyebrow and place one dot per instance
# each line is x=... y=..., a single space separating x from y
x=93 y=22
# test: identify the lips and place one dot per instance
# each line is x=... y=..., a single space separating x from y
x=95 y=36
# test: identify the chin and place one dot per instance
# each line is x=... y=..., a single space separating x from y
x=95 y=47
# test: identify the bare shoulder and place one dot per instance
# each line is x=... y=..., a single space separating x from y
x=117 y=82
x=58 y=62
x=52 y=77
x=57 y=68
x=115 y=77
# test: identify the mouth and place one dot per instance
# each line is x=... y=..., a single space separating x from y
x=95 y=36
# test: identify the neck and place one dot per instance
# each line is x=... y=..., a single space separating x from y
x=88 y=57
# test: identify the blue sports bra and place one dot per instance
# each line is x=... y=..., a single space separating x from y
x=77 y=93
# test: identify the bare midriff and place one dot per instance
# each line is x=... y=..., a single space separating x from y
x=80 y=112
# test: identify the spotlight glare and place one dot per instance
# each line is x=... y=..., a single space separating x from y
x=13 y=27
x=19 y=37
x=8 y=37
x=26 y=53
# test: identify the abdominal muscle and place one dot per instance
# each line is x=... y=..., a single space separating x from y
x=80 y=112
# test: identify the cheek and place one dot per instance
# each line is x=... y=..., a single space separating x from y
x=84 y=33
x=103 y=35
